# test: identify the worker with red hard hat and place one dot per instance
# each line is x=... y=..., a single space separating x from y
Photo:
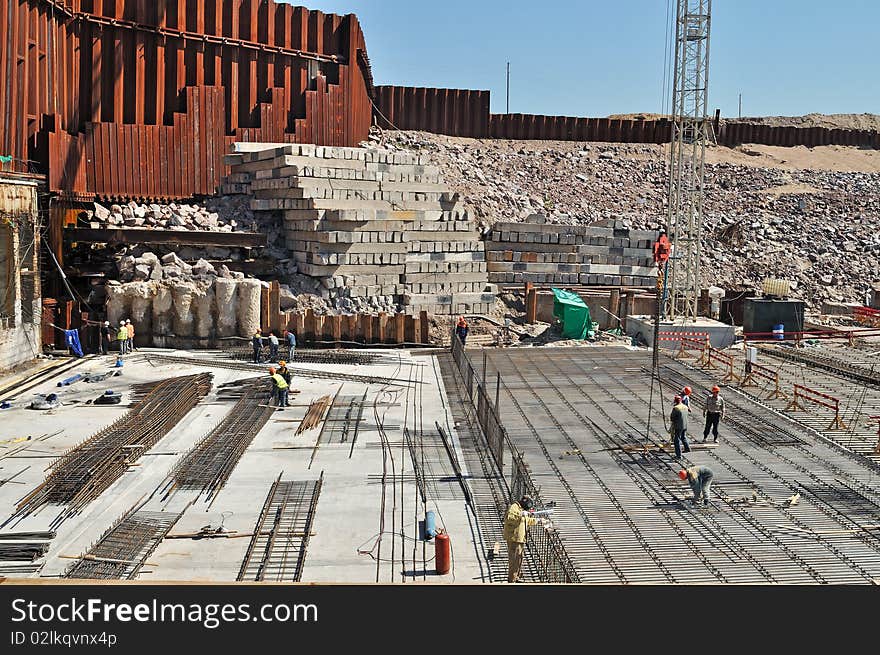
x=700 y=479
x=686 y=397
x=714 y=412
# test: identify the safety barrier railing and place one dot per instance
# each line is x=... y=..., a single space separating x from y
x=802 y=393
x=867 y=316
x=546 y=550
x=752 y=371
x=714 y=357
x=800 y=337
x=688 y=342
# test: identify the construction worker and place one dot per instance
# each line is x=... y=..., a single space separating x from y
x=714 y=412
x=284 y=372
x=129 y=326
x=281 y=387
x=700 y=479
x=106 y=334
x=686 y=397
x=257 y=343
x=273 y=347
x=290 y=340
x=515 y=523
x=679 y=425
x=461 y=330
x=122 y=337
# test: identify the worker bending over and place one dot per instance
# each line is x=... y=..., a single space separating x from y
x=700 y=479
x=679 y=425
x=516 y=522
x=714 y=412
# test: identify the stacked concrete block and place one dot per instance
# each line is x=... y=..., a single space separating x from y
x=571 y=254
x=370 y=223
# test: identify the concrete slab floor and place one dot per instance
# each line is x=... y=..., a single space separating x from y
x=369 y=515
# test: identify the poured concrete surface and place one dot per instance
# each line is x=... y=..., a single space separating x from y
x=356 y=536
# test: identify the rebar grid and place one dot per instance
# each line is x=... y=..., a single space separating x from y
x=277 y=550
x=123 y=550
x=618 y=500
x=88 y=469
x=210 y=463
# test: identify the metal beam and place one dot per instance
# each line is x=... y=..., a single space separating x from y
x=187 y=238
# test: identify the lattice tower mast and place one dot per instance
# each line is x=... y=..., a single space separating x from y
x=687 y=158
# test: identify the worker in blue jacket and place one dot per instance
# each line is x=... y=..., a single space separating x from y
x=461 y=330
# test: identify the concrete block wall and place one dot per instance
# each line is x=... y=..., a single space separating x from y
x=370 y=223
x=571 y=254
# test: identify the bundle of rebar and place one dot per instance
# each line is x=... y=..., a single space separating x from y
x=296 y=372
x=27 y=551
x=85 y=471
x=245 y=353
x=123 y=550
x=207 y=466
x=315 y=414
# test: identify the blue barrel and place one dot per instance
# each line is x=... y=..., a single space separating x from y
x=779 y=332
x=430 y=525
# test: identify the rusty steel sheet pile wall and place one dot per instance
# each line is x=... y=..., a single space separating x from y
x=457 y=112
x=142 y=98
x=465 y=113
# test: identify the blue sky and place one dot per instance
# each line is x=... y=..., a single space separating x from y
x=594 y=58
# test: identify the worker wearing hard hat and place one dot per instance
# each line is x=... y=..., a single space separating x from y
x=714 y=412
x=678 y=419
x=284 y=372
x=281 y=387
x=700 y=479
x=516 y=522
x=686 y=397
x=462 y=330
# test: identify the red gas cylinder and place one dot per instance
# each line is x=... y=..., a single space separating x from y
x=441 y=553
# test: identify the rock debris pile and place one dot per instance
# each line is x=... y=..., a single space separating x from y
x=818 y=228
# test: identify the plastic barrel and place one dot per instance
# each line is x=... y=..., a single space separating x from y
x=779 y=332
x=441 y=553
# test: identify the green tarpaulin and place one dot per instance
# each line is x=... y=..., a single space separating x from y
x=573 y=313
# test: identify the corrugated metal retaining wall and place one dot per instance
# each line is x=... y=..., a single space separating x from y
x=458 y=112
x=140 y=98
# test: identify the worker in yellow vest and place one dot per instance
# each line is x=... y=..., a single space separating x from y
x=281 y=387
x=122 y=337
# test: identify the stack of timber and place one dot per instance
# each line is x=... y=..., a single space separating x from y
x=370 y=223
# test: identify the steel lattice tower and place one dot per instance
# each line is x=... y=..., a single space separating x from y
x=690 y=133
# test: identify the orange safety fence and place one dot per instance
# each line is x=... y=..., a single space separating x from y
x=867 y=316
x=798 y=337
x=753 y=371
x=687 y=341
x=714 y=356
x=802 y=393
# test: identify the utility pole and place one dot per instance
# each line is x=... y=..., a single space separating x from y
x=687 y=156
x=508 y=88
x=740 y=105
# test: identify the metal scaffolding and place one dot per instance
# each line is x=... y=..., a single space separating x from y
x=690 y=133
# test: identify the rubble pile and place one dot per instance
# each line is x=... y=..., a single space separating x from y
x=818 y=228
x=229 y=213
